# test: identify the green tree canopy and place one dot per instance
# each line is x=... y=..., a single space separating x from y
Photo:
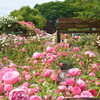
x=54 y=10
x=26 y=13
x=90 y=9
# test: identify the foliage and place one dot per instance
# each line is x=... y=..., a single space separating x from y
x=6 y=24
x=90 y=9
x=54 y=10
x=27 y=14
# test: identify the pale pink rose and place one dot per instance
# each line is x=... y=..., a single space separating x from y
x=35 y=97
x=76 y=91
x=60 y=98
x=49 y=49
x=91 y=54
x=26 y=84
x=8 y=87
x=86 y=94
x=70 y=88
x=11 y=77
x=12 y=65
x=18 y=94
x=5 y=58
x=62 y=88
x=1 y=88
x=36 y=90
x=35 y=61
x=70 y=81
x=87 y=52
x=37 y=55
x=97 y=83
x=27 y=77
x=23 y=87
x=76 y=49
x=93 y=92
x=30 y=91
x=23 y=49
x=76 y=37
x=74 y=72
x=81 y=84
x=92 y=74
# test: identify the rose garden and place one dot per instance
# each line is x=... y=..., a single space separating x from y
x=30 y=66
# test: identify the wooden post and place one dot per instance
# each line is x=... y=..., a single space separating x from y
x=58 y=37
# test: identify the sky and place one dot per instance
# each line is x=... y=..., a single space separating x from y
x=6 y=6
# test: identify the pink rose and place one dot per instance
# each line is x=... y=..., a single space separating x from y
x=91 y=54
x=92 y=74
x=76 y=37
x=35 y=97
x=66 y=45
x=70 y=81
x=87 y=52
x=86 y=94
x=50 y=49
x=1 y=88
x=27 y=77
x=11 y=77
x=50 y=60
x=12 y=65
x=81 y=84
x=74 y=72
x=76 y=91
x=60 y=98
x=8 y=87
x=18 y=94
x=62 y=88
x=37 y=55
x=76 y=49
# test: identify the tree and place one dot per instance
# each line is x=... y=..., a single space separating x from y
x=54 y=10
x=90 y=9
x=26 y=13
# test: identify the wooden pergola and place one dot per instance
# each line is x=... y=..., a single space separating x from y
x=71 y=25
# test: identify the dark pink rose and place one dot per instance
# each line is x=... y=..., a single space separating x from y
x=76 y=91
x=93 y=92
x=70 y=81
x=18 y=94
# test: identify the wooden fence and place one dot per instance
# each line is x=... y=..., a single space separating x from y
x=71 y=25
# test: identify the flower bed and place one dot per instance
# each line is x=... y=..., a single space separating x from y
x=30 y=68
